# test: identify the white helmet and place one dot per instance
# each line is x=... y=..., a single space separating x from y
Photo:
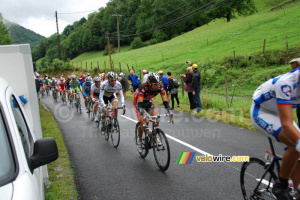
x=111 y=76
x=153 y=77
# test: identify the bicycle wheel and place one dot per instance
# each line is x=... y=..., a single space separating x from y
x=107 y=130
x=161 y=149
x=115 y=132
x=145 y=147
x=250 y=179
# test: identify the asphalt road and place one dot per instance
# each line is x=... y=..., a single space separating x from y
x=104 y=172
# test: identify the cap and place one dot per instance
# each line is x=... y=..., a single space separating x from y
x=121 y=74
x=195 y=66
x=144 y=71
x=160 y=72
x=295 y=60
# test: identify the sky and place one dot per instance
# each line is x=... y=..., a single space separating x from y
x=39 y=15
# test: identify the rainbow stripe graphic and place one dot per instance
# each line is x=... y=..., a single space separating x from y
x=185 y=157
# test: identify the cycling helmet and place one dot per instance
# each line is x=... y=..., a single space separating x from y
x=53 y=78
x=73 y=76
x=153 y=77
x=111 y=76
x=69 y=77
x=97 y=79
x=88 y=80
x=62 y=79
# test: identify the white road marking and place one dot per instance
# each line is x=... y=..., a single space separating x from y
x=177 y=140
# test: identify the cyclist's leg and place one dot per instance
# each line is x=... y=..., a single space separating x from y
x=290 y=166
x=114 y=103
x=96 y=107
x=270 y=124
x=153 y=111
x=85 y=96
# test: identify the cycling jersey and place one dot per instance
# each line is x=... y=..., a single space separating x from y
x=53 y=83
x=75 y=85
x=61 y=84
x=87 y=89
x=41 y=82
x=145 y=92
x=281 y=90
x=96 y=90
x=46 y=81
x=68 y=84
x=108 y=91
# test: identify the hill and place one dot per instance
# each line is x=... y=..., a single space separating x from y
x=212 y=45
x=21 y=35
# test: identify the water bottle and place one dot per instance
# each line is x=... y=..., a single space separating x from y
x=291 y=185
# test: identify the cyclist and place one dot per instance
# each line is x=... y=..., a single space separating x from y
x=86 y=90
x=61 y=84
x=271 y=113
x=53 y=85
x=107 y=94
x=143 y=103
x=46 y=82
x=95 y=92
x=75 y=87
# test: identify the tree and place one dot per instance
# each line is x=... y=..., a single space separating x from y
x=229 y=8
x=4 y=33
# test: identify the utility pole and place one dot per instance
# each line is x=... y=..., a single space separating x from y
x=58 y=43
x=108 y=44
x=117 y=15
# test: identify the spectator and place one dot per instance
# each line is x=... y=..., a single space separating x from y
x=173 y=89
x=189 y=63
x=124 y=83
x=165 y=81
x=196 y=88
x=295 y=63
x=145 y=76
x=187 y=78
x=135 y=81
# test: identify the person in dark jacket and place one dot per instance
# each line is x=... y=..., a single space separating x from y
x=196 y=88
x=173 y=90
x=124 y=83
x=187 y=78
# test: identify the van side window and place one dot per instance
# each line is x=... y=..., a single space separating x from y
x=7 y=164
x=23 y=129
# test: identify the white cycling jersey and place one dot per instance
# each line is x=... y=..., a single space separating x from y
x=107 y=90
x=281 y=90
x=96 y=90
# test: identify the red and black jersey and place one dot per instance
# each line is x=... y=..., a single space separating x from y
x=147 y=93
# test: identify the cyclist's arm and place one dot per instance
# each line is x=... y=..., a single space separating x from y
x=101 y=98
x=121 y=96
x=165 y=102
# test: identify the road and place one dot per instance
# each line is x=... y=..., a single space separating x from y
x=104 y=172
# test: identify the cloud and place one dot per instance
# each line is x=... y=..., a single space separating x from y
x=39 y=16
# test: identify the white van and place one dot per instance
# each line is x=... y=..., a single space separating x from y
x=21 y=154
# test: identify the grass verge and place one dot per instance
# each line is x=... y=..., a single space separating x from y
x=61 y=175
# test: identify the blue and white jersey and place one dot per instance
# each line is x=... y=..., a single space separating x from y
x=86 y=88
x=281 y=90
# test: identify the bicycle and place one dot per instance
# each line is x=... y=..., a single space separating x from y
x=257 y=177
x=77 y=104
x=47 y=90
x=55 y=95
x=111 y=125
x=156 y=139
x=63 y=96
x=90 y=109
x=71 y=100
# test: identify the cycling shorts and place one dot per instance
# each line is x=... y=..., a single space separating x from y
x=147 y=105
x=110 y=99
x=86 y=94
x=267 y=122
x=77 y=91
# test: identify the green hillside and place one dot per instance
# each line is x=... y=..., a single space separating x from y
x=21 y=35
x=210 y=44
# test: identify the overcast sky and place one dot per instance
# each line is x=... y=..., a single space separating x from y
x=39 y=15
